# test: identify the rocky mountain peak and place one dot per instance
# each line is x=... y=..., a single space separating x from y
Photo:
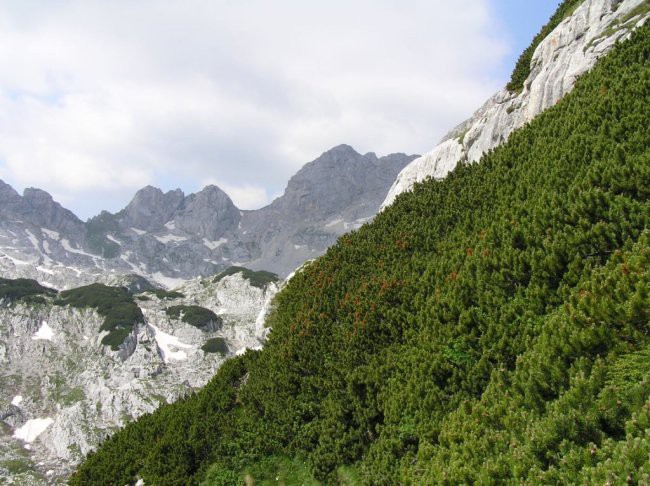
x=150 y=208
x=7 y=193
x=10 y=200
x=209 y=213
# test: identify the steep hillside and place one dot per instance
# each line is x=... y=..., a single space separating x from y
x=492 y=327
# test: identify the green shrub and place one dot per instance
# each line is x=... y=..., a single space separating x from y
x=216 y=345
x=166 y=294
x=25 y=289
x=194 y=315
x=259 y=279
x=115 y=304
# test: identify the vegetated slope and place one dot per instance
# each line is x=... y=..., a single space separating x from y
x=490 y=327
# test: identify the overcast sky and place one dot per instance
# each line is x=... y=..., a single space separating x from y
x=100 y=98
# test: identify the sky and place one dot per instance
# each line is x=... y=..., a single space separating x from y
x=98 y=99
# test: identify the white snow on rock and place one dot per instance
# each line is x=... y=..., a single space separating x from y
x=168 y=282
x=54 y=235
x=44 y=332
x=569 y=51
x=138 y=231
x=68 y=247
x=169 y=237
x=32 y=429
x=213 y=245
x=166 y=342
x=17 y=400
x=114 y=240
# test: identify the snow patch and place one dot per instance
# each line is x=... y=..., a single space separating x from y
x=33 y=240
x=213 y=245
x=54 y=235
x=17 y=400
x=45 y=332
x=170 y=225
x=43 y=269
x=16 y=261
x=32 y=429
x=138 y=231
x=333 y=223
x=67 y=247
x=168 y=282
x=166 y=342
x=113 y=239
x=243 y=350
x=170 y=237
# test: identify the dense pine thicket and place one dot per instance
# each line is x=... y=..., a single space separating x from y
x=492 y=327
x=259 y=278
x=522 y=68
x=23 y=289
x=115 y=304
x=195 y=315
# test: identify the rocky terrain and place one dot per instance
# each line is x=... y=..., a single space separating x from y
x=170 y=237
x=63 y=391
x=571 y=49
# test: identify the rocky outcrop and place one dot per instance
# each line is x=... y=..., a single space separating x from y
x=571 y=49
x=150 y=208
x=63 y=391
x=208 y=214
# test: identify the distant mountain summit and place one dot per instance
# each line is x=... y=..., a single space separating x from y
x=170 y=236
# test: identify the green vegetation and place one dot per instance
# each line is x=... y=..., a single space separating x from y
x=489 y=328
x=166 y=294
x=25 y=290
x=120 y=312
x=17 y=466
x=522 y=67
x=259 y=279
x=194 y=315
x=96 y=230
x=71 y=396
x=216 y=345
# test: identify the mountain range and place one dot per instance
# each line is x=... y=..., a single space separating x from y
x=487 y=324
x=170 y=237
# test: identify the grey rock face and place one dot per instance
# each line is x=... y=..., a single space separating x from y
x=55 y=373
x=336 y=193
x=570 y=50
x=150 y=208
x=209 y=214
x=170 y=237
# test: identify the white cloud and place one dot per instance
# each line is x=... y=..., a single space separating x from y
x=100 y=98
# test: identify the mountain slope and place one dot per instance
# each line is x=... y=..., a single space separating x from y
x=489 y=327
x=579 y=34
